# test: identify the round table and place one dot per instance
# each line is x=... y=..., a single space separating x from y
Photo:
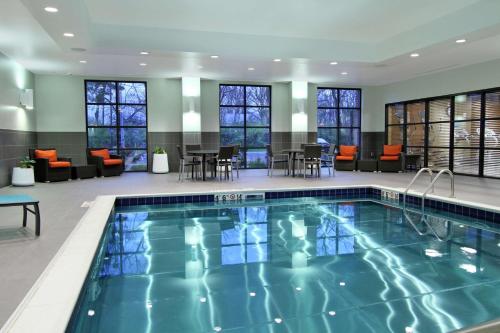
x=293 y=154
x=203 y=153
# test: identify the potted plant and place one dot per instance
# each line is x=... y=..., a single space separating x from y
x=160 y=160
x=24 y=175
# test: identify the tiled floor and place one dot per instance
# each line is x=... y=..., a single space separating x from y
x=23 y=258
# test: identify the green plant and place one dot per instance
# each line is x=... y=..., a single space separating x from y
x=159 y=150
x=26 y=162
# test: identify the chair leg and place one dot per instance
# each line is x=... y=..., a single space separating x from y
x=272 y=166
x=305 y=169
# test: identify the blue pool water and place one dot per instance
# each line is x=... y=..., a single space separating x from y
x=289 y=265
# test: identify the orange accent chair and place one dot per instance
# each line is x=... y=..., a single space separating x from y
x=392 y=159
x=49 y=167
x=346 y=158
x=107 y=164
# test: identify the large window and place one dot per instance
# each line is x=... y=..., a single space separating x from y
x=460 y=132
x=117 y=119
x=339 y=116
x=245 y=119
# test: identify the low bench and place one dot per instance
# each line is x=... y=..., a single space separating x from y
x=25 y=201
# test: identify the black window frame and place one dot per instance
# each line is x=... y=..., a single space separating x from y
x=452 y=148
x=337 y=109
x=244 y=148
x=118 y=126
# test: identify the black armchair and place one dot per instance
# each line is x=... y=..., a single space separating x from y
x=49 y=167
x=107 y=164
x=392 y=159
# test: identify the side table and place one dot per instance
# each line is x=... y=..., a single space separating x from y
x=83 y=171
x=368 y=165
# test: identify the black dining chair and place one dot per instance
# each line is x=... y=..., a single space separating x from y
x=312 y=158
x=273 y=159
x=224 y=161
x=328 y=159
x=237 y=159
x=195 y=165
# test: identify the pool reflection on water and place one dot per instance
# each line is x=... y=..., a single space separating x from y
x=291 y=265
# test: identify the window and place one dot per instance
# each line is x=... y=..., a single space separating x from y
x=116 y=114
x=245 y=119
x=460 y=132
x=246 y=240
x=339 y=116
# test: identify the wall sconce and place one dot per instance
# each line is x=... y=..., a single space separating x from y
x=26 y=98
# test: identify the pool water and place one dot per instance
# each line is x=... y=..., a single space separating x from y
x=289 y=265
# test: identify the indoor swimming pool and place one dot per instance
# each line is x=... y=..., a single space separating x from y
x=310 y=264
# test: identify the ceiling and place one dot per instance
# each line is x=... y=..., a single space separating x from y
x=371 y=40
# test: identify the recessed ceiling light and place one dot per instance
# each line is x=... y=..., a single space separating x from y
x=144 y=52
x=334 y=63
x=200 y=67
x=414 y=55
x=460 y=41
x=83 y=61
x=214 y=56
x=143 y=64
x=251 y=68
x=68 y=34
x=344 y=73
x=51 y=9
x=277 y=60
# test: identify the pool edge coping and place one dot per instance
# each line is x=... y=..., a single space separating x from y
x=37 y=313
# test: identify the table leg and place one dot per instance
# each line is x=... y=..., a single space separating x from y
x=37 y=219
x=204 y=166
x=25 y=215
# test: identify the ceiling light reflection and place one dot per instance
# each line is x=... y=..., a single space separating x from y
x=433 y=253
x=468 y=250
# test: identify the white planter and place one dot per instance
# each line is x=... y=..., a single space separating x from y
x=160 y=163
x=23 y=177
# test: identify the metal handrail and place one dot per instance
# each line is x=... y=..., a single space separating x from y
x=428 y=170
x=431 y=185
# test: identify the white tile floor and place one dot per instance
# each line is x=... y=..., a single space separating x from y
x=23 y=258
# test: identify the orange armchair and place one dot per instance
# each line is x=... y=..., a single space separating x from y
x=346 y=158
x=49 y=167
x=392 y=159
x=107 y=164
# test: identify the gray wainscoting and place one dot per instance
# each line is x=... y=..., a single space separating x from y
x=168 y=141
x=14 y=146
x=372 y=142
x=68 y=144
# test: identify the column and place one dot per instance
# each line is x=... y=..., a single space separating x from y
x=191 y=111
x=299 y=113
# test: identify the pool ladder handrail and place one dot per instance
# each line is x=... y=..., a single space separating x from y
x=429 y=171
x=431 y=186
x=424 y=219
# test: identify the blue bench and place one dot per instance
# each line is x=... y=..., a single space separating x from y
x=25 y=201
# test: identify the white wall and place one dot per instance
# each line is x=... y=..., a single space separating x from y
x=61 y=103
x=13 y=78
x=59 y=100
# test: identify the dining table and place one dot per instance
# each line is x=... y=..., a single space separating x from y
x=292 y=154
x=204 y=153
